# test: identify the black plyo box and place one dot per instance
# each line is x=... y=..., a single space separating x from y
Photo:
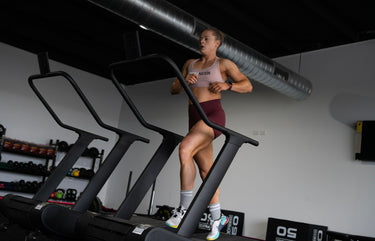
x=285 y=230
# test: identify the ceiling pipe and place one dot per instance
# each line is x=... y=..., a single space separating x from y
x=175 y=24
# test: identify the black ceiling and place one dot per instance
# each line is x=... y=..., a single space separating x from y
x=82 y=35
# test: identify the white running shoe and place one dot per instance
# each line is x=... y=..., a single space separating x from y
x=216 y=226
x=176 y=218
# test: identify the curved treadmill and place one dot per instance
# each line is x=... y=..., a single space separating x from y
x=78 y=225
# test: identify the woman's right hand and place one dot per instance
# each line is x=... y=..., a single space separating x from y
x=191 y=78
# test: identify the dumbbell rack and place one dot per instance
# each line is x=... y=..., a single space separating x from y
x=78 y=172
x=27 y=168
x=30 y=168
x=68 y=197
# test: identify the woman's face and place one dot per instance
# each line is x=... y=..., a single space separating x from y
x=208 y=42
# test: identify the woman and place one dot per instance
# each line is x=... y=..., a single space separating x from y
x=206 y=77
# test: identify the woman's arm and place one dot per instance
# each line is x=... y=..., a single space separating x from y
x=241 y=83
x=176 y=87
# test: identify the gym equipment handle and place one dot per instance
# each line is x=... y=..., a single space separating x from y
x=48 y=107
x=43 y=61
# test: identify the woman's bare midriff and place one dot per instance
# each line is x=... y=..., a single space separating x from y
x=203 y=94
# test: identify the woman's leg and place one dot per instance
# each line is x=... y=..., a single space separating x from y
x=199 y=137
x=204 y=160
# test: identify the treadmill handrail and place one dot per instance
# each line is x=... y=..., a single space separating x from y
x=87 y=104
x=227 y=132
x=48 y=107
x=130 y=103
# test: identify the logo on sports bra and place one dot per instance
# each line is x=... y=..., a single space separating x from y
x=205 y=73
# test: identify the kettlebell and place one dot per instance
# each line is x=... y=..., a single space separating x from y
x=60 y=193
x=53 y=195
x=71 y=194
x=63 y=146
x=76 y=172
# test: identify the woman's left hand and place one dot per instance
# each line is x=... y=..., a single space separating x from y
x=217 y=87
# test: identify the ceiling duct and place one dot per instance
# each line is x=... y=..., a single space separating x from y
x=181 y=27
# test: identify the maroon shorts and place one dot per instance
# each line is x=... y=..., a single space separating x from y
x=214 y=112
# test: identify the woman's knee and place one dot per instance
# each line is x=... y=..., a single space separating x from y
x=185 y=152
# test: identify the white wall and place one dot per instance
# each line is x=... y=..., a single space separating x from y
x=26 y=119
x=304 y=168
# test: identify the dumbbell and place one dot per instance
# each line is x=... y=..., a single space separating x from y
x=16 y=166
x=34 y=186
x=9 y=185
x=4 y=165
x=24 y=167
x=6 y=186
x=31 y=168
x=20 y=166
x=25 y=147
x=40 y=169
x=20 y=185
x=17 y=146
x=13 y=165
x=10 y=165
x=42 y=150
x=51 y=151
x=12 y=186
x=8 y=144
x=28 y=186
x=34 y=149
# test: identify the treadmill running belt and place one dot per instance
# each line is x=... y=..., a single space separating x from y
x=196 y=236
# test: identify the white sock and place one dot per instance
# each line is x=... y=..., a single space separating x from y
x=215 y=211
x=185 y=198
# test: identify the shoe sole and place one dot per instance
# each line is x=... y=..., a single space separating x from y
x=171 y=226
